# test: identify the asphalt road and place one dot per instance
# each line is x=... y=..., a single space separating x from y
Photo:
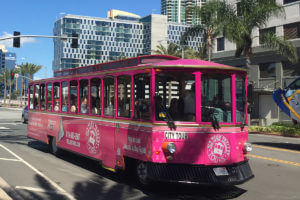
x=33 y=173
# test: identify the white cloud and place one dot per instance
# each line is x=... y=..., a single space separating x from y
x=9 y=42
x=36 y=78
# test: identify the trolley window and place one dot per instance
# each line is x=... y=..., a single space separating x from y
x=142 y=103
x=36 y=96
x=175 y=96
x=124 y=96
x=216 y=97
x=65 y=96
x=56 y=96
x=84 y=101
x=74 y=96
x=31 y=96
x=49 y=96
x=109 y=96
x=42 y=96
x=96 y=96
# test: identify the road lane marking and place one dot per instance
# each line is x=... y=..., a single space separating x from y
x=38 y=190
x=274 y=136
x=3 y=128
x=9 y=123
x=60 y=189
x=274 y=148
x=9 y=159
x=275 y=160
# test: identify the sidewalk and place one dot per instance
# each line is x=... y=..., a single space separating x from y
x=4 y=187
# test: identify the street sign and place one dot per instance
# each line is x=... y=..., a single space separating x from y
x=16 y=75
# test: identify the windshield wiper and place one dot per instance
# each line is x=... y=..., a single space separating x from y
x=212 y=118
x=167 y=116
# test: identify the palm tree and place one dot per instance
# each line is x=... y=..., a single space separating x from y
x=171 y=50
x=251 y=14
x=11 y=81
x=211 y=23
x=5 y=76
x=32 y=69
x=23 y=71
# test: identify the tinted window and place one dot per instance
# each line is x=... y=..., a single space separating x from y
x=49 y=96
x=216 y=97
x=142 y=103
x=56 y=96
x=124 y=96
x=74 y=96
x=84 y=92
x=65 y=96
x=96 y=96
x=109 y=96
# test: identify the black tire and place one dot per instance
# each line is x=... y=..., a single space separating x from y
x=53 y=146
x=142 y=174
x=294 y=121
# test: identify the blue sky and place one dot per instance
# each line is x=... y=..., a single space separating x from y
x=37 y=17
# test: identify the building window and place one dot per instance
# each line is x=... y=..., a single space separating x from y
x=289 y=1
x=262 y=32
x=291 y=31
x=267 y=70
x=220 y=44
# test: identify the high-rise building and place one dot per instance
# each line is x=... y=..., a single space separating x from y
x=269 y=70
x=175 y=10
x=106 y=39
x=8 y=60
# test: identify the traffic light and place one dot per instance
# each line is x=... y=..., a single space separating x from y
x=12 y=76
x=16 y=42
x=74 y=40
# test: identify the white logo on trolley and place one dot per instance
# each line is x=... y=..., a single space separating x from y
x=218 y=149
x=93 y=138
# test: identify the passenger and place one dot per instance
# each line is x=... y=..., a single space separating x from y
x=84 y=106
x=96 y=107
x=173 y=109
x=56 y=107
x=190 y=104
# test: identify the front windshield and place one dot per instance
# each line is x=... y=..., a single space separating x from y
x=175 y=96
x=216 y=97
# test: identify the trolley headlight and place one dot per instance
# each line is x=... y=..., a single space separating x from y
x=171 y=147
x=247 y=147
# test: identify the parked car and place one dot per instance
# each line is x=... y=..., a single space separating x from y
x=25 y=114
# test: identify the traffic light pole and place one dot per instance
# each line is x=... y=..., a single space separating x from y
x=63 y=37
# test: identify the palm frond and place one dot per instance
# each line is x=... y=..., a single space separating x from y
x=284 y=47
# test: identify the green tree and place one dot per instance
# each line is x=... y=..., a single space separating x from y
x=171 y=50
x=211 y=23
x=255 y=14
x=24 y=69
x=32 y=69
x=11 y=82
x=4 y=77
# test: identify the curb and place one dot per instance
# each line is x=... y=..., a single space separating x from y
x=273 y=134
x=4 y=186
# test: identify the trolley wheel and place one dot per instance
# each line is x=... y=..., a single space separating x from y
x=142 y=173
x=53 y=146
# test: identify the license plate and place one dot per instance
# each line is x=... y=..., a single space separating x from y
x=175 y=135
x=220 y=171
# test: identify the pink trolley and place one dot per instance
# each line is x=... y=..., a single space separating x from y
x=173 y=120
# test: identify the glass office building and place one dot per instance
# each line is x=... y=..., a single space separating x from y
x=175 y=10
x=107 y=39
